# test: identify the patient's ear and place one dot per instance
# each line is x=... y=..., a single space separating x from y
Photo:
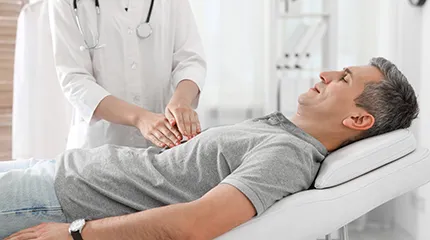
x=360 y=122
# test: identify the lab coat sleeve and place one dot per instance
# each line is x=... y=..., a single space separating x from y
x=73 y=66
x=188 y=58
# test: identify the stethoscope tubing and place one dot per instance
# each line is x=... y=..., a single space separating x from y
x=97 y=6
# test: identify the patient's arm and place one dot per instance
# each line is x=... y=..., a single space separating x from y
x=219 y=211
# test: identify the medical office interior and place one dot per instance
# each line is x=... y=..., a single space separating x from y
x=260 y=53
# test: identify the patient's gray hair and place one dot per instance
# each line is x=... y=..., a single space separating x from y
x=392 y=101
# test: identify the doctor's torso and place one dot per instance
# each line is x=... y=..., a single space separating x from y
x=130 y=68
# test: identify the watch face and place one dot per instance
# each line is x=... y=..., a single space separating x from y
x=77 y=225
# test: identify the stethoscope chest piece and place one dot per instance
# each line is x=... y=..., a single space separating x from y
x=144 y=30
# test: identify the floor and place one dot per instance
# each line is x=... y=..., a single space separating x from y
x=374 y=233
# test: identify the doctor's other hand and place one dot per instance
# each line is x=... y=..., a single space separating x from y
x=44 y=231
x=181 y=114
x=157 y=129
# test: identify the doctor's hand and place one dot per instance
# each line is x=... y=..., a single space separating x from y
x=181 y=114
x=158 y=130
x=44 y=231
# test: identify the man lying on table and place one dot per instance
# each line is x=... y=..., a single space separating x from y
x=216 y=181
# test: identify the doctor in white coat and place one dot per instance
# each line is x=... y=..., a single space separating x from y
x=132 y=70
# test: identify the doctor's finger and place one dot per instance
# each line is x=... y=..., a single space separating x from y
x=199 y=127
x=163 y=138
x=179 y=116
x=167 y=132
x=194 y=122
x=175 y=131
x=188 y=123
x=170 y=117
x=155 y=141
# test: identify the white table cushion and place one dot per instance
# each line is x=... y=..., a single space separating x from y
x=364 y=156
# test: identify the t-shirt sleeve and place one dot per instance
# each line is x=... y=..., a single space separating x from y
x=272 y=173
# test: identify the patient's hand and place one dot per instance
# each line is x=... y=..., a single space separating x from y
x=44 y=231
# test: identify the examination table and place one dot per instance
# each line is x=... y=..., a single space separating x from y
x=351 y=182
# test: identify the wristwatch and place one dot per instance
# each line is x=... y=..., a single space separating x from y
x=75 y=229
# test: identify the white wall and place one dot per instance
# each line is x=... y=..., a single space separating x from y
x=425 y=82
x=235 y=40
x=423 y=231
x=357 y=29
x=242 y=52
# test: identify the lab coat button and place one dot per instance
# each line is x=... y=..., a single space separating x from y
x=130 y=31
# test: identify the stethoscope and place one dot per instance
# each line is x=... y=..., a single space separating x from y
x=144 y=29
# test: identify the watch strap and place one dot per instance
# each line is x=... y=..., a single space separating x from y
x=76 y=236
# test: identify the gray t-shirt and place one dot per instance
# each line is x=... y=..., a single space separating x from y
x=266 y=158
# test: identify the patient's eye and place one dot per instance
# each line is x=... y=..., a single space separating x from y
x=343 y=78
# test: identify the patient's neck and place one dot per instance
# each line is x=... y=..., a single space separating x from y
x=331 y=137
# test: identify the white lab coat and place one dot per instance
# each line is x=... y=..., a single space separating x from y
x=41 y=114
x=142 y=72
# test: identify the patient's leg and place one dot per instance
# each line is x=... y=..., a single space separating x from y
x=27 y=198
x=6 y=166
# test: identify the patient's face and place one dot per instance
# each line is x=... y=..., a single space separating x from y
x=332 y=99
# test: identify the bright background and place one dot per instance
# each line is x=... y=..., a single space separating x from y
x=242 y=41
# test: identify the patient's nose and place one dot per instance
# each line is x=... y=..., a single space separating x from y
x=327 y=77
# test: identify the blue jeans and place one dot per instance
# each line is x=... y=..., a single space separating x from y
x=27 y=195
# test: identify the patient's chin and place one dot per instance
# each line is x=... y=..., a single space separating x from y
x=304 y=99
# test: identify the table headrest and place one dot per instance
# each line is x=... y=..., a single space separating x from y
x=364 y=156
